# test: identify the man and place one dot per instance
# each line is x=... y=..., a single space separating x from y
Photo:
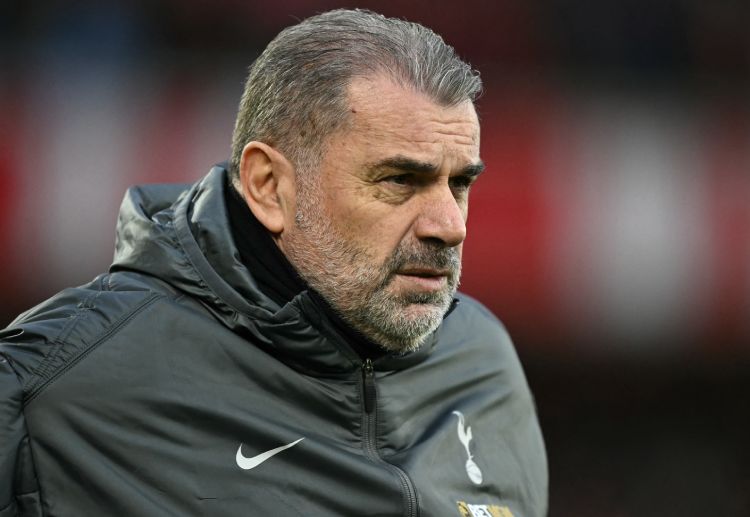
x=282 y=337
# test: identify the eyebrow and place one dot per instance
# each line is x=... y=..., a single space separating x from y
x=402 y=163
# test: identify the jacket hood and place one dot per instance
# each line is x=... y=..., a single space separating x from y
x=181 y=235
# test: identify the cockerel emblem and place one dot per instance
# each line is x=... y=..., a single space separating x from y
x=464 y=436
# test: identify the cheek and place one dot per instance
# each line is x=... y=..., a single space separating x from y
x=365 y=222
x=377 y=236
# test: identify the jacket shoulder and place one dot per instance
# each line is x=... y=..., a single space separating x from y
x=474 y=332
x=482 y=341
x=58 y=331
x=470 y=315
x=42 y=343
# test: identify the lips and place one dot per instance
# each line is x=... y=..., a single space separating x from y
x=425 y=279
x=424 y=272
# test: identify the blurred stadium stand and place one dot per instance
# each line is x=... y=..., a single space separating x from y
x=611 y=232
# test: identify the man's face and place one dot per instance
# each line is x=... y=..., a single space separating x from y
x=378 y=230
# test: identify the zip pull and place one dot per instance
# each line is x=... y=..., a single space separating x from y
x=368 y=381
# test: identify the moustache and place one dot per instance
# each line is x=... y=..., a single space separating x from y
x=424 y=256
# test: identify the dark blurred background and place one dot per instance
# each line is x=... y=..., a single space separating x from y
x=611 y=232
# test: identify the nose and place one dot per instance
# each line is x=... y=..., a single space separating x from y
x=441 y=218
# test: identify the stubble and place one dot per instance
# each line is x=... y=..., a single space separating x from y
x=358 y=286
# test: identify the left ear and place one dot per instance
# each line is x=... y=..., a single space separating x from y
x=267 y=182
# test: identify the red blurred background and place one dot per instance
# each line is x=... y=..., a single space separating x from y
x=611 y=232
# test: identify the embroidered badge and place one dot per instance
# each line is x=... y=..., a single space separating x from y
x=464 y=435
x=483 y=510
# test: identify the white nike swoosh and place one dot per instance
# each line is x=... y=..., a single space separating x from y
x=250 y=463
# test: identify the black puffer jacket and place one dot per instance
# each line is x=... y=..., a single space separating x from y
x=151 y=390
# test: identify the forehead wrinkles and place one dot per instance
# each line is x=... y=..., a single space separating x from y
x=379 y=96
x=455 y=129
x=417 y=125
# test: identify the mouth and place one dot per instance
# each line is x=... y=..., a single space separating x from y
x=426 y=272
x=428 y=279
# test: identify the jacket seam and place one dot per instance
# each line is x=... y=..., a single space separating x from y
x=27 y=493
x=105 y=283
x=43 y=383
x=41 y=371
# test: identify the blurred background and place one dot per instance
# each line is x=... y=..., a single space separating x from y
x=611 y=232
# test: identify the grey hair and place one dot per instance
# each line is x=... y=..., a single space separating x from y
x=296 y=91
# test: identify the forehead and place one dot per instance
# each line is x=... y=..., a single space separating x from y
x=394 y=119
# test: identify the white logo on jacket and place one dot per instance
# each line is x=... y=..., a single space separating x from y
x=464 y=435
x=246 y=463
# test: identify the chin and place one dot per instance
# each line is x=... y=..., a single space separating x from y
x=403 y=346
x=410 y=330
x=418 y=313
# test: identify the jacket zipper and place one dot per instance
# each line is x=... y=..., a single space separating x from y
x=369 y=438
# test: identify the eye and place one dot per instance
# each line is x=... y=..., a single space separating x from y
x=461 y=183
x=400 y=179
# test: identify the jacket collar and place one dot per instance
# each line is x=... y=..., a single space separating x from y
x=189 y=245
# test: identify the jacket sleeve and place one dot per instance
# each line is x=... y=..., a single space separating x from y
x=19 y=489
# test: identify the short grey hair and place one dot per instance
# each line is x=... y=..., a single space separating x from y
x=296 y=91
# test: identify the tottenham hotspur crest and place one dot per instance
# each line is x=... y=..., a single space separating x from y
x=464 y=435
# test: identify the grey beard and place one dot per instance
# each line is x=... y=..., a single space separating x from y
x=382 y=315
x=348 y=278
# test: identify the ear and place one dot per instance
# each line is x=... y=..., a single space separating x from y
x=265 y=178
